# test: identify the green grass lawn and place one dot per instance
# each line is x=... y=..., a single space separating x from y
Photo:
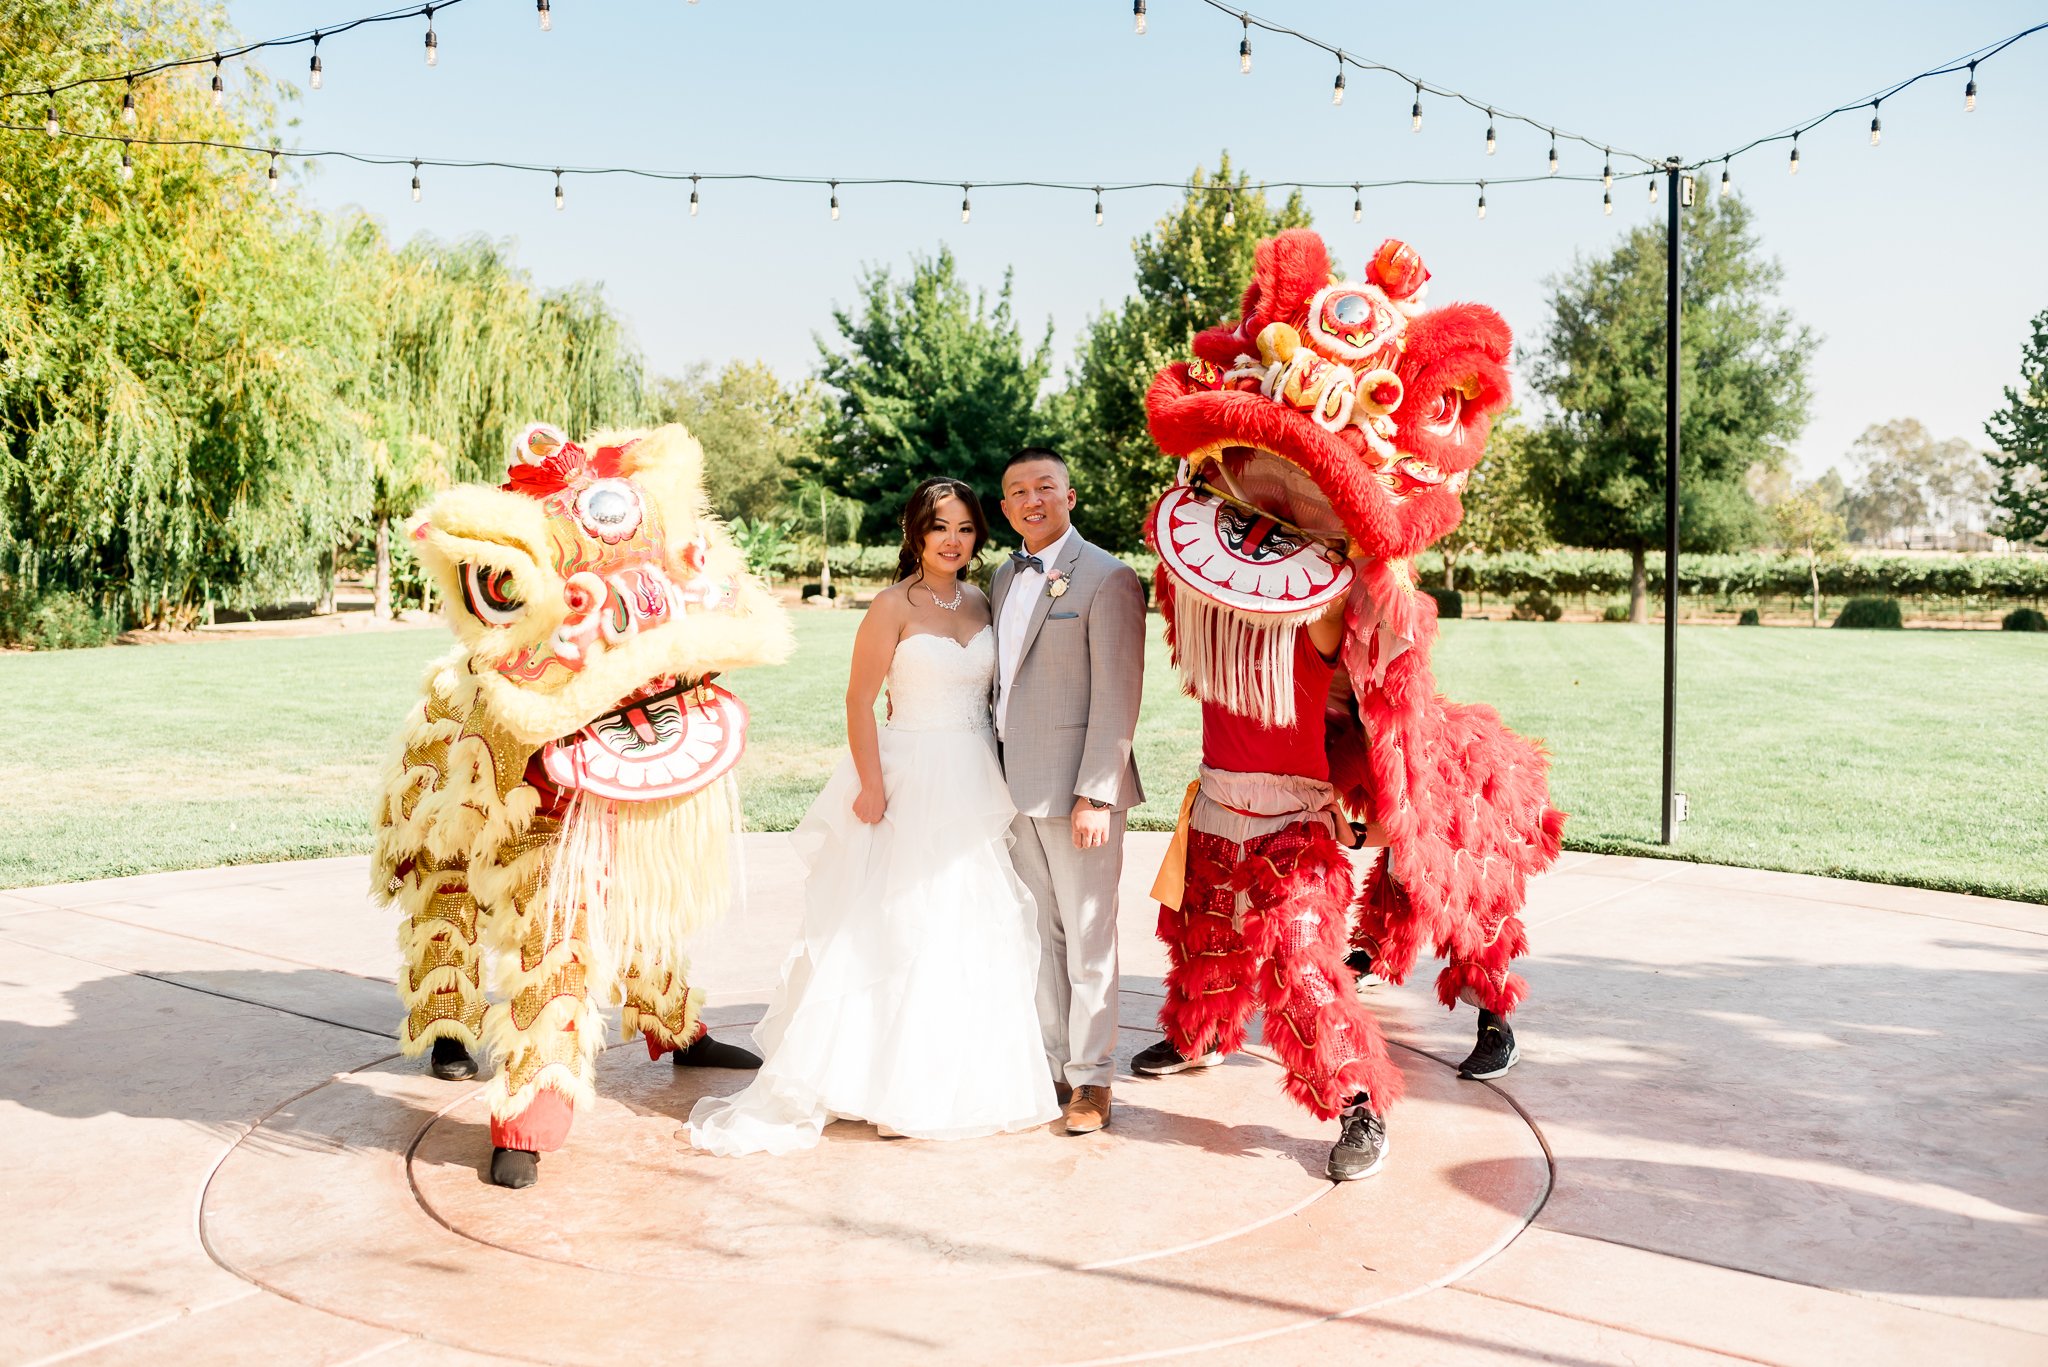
x=1908 y=757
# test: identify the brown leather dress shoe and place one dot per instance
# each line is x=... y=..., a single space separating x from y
x=1088 y=1111
x=1062 y=1093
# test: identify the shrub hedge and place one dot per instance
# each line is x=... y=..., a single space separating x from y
x=1751 y=575
x=2025 y=619
x=1872 y=613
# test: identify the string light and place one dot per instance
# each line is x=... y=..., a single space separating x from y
x=1793 y=165
x=313 y=67
x=1553 y=153
x=1337 y=90
x=966 y=206
x=1230 y=212
x=1970 y=92
x=1415 y=111
x=1098 y=206
x=271 y=175
x=1726 y=184
x=220 y=88
x=1138 y=17
x=1653 y=188
x=1482 y=199
x=693 y=196
x=1607 y=203
x=415 y=180
x=835 y=201
x=1491 y=141
x=128 y=105
x=1357 y=204
x=50 y=125
x=1244 y=49
x=1607 y=169
x=560 y=199
x=433 y=43
x=127 y=165
x=1876 y=129
x=547 y=18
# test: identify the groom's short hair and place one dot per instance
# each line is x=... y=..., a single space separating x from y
x=1027 y=454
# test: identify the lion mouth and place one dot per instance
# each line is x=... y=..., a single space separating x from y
x=1269 y=484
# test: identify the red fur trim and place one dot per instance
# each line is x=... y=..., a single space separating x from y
x=1497 y=990
x=1461 y=349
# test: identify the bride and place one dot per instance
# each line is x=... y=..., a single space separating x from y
x=909 y=999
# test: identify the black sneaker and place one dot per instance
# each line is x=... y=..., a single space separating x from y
x=1162 y=1059
x=1362 y=1145
x=1359 y=961
x=450 y=1061
x=706 y=1052
x=514 y=1168
x=1496 y=1051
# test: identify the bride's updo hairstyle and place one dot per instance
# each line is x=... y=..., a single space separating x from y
x=921 y=515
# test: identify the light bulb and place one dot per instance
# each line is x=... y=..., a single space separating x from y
x=1482 y=199
x=1491 y=141
x=966 y=206
x=1230 y=213
x=1357 y=205
x=560 y=199
x=1653 y=188
x=1337 y=91
x=1726 y=184
x=1415 y=111
x=1098 y=206
x=1970 y=92
x=835 y=200
x=693 y=196
x=415 y=180
x=50 y=127
x=313 y=67
x=1607 y=169
x=1244 y=50
x=1793 y=165
x=547 y=19
x=220 y=87
x=128 y=105
x=1553 y=154
x=1607 y=202
x=433 y=42
x=1876 y=129
x=127 y=165
x=1138 y=17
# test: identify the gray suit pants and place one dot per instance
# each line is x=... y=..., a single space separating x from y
x=1076 y=892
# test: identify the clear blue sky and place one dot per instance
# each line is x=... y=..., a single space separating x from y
x=1919 y=262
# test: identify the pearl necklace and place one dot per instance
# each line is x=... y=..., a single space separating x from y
x=959 y=592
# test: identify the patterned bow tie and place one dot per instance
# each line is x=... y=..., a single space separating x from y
x=1027 y=562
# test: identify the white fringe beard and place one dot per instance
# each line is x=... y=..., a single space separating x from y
x=646 y=875
x=1242 y=663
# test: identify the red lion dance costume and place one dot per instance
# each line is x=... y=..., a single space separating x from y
x=1324 y=440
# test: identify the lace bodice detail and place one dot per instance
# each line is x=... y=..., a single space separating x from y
x=937 y=684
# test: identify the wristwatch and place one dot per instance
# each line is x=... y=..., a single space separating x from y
x=1098 y=806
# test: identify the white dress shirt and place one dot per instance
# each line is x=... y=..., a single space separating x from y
x=1025 y=587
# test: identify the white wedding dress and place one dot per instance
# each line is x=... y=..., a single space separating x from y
x=909 y=999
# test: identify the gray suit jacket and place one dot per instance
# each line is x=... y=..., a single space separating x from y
x=1073 y=706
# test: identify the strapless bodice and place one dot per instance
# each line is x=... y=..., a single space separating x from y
x=937 y=684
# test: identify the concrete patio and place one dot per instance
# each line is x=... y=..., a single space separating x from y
x=1760 y=1118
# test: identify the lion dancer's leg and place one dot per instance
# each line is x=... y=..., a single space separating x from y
x=1211 y=985
x=441 y=975
x=1299 y=885
x=663 y=1009
x=1478 y=973
x=546 y=1031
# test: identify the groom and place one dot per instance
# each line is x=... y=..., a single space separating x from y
x=1070 y=661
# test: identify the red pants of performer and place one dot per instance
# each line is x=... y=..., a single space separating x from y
x=1282 y=950
x=543 y=1126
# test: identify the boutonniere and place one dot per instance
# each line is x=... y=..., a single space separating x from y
x=1055 y=583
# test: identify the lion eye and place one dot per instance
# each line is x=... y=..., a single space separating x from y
x=1443 y=414
x=490 y=596
x=610 y=508
x=1351 y=310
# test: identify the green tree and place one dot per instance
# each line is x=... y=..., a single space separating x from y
x=1501 y=512
x=1911 y=484
x=928 y=379
x=1598 y=465
x=1191 y=272
x=1809 y=523
x=755 y=431
x=2020 y=431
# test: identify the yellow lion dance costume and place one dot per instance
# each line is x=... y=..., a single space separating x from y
x=558 y=821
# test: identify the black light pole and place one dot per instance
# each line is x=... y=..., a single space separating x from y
x=1671 y=315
